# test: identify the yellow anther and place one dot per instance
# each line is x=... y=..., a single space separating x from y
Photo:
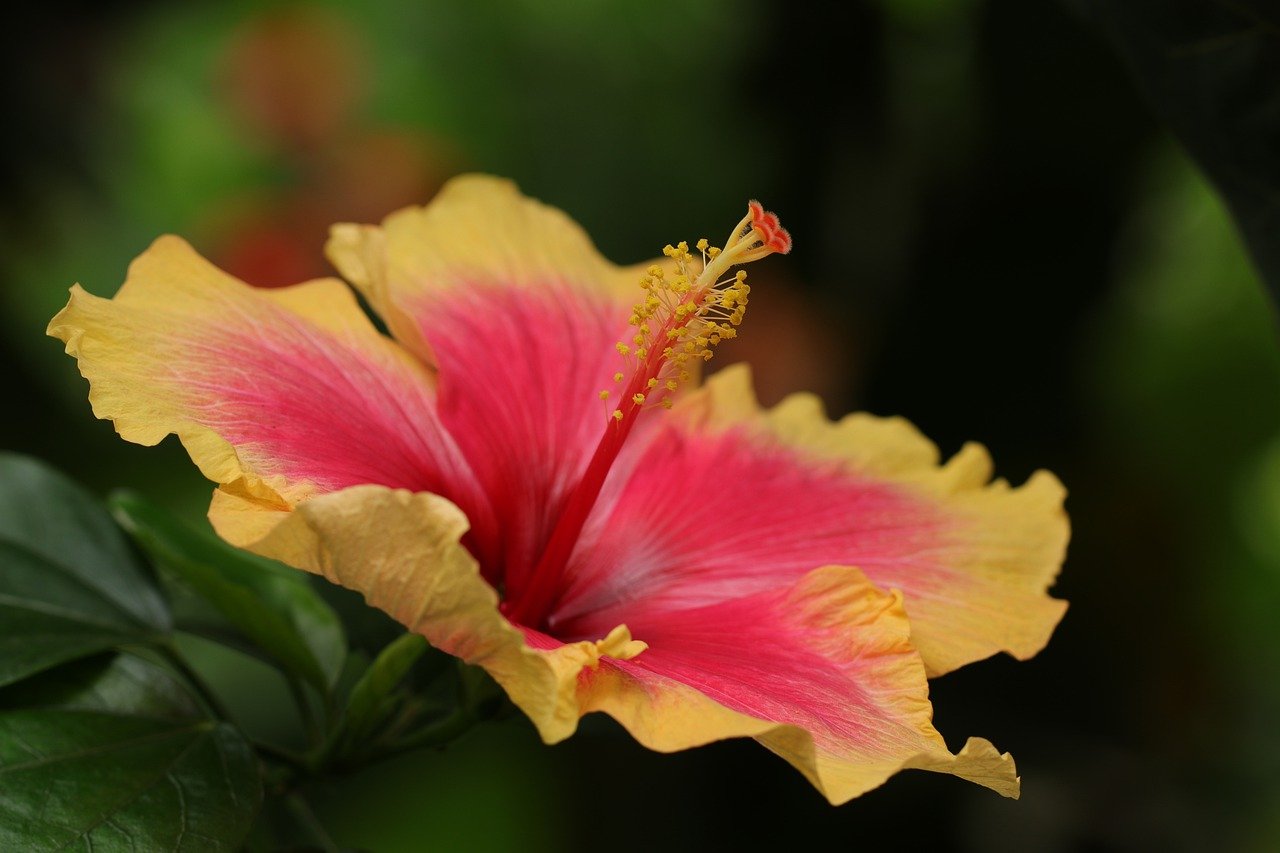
x=693 y=310
x=666 y=402
x=617 y=414
x=604 y=395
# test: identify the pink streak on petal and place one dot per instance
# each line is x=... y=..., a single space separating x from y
x=520 y=374
x=303 y=404
x=707 y=518
x=754 y=656
x=538 y=640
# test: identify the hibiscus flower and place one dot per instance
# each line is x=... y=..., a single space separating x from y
x=530 y=473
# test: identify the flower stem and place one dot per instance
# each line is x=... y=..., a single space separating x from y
x=305 y=817
x=435 y=735
x=309 y=722
x=299 y=764
x=438 y=734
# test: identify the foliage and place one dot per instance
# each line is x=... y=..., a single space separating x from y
x=1212 y=71
x=111 y=738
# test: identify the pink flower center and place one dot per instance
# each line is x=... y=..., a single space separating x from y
x=678 y=322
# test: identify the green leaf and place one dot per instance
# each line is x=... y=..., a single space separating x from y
x=44 y=513
x=124 y=684
x=49 y=614
x=1212 y=72
x=101 y=781
x=373 y=697
x=480 y=692
x=272 y=605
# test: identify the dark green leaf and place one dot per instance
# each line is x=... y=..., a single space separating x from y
x=49 y=614
x=480 y=692
x=373 y=697
x=368 y=629
x=1211 y=69
x=272 y=605
x=47 y=514
x=124 y=684
x=99 y=781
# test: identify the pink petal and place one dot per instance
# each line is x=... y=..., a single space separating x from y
x=822 y=672
x=520 y=371
x=706 y=518
x=288 y=393
x=744 y=501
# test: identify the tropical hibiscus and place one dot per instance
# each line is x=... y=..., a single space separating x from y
x=530 y=473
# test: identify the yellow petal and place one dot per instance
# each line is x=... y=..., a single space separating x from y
x=479 y=231
x=985 y=587
x=870 y=714
x=265 y=388
x=401 y=550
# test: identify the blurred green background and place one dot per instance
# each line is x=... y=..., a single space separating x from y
x=994 y=238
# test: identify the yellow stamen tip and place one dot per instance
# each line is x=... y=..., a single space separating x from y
x=695 y=309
